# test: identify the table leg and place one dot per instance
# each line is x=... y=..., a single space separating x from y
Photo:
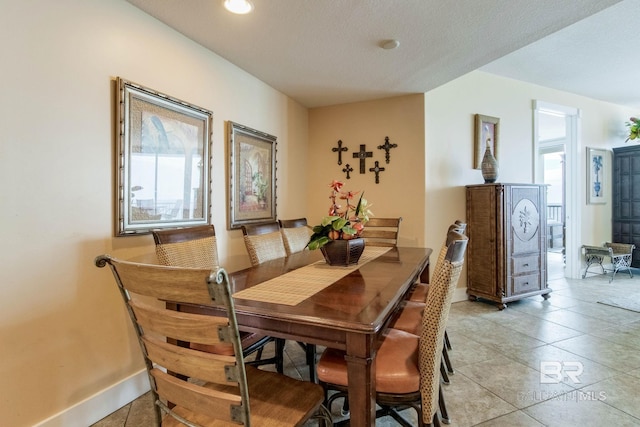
x=424 y=275
x=362 y=382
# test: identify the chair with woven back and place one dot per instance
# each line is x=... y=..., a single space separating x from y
x=196 y=247
x=407 y=366
x=264 y=242
x=381 y=231
x=295 y=234
x=198 y=388
x=420 y=290
x=410 y=317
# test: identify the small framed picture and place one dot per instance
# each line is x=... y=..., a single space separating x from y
x=597 y=169
x=252 y=176
x=486 y=135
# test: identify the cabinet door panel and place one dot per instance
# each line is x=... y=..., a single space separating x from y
x=525 y=220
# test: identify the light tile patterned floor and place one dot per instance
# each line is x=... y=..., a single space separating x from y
x=498 y=356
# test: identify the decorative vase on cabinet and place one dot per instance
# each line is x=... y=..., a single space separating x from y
x=506 y=255
x=489 y=166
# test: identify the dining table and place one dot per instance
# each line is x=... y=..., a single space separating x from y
x=302 y=298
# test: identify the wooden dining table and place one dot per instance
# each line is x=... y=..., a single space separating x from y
x=350 y=313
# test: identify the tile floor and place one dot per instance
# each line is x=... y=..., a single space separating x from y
x=498 y=357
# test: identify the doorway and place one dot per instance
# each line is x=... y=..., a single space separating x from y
x=556 y=130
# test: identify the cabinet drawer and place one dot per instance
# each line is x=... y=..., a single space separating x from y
x=525 y=264
x=524 y=284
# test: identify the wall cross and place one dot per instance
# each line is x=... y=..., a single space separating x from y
x=362 y=155
x=347 y=169
x=339 y=149
x=377 y=169
x=386 y=147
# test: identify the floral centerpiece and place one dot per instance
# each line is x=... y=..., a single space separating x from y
x=634 y=128
x=343 y=223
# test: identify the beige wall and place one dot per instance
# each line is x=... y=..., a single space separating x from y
x=400 y=191
x=63 y=329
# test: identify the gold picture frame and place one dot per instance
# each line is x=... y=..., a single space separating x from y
x=487 y=132
x=163 y=161
x=252 y=176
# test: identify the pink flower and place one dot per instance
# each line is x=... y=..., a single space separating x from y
x=348 y=195
x=336 y=185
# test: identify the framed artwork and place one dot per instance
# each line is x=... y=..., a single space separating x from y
x=163 y=161
x=597 y=170
x=487 y=133
x=252 y=176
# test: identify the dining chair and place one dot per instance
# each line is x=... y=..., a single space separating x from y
x=420 y=290
x=410 y=317
x=381 y=231
x=407 y=365
x=197 y=388
x=295 y=234
x=264 y=243
x=196 y=247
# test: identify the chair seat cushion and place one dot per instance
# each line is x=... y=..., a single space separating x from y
x=274 y=399
x=419 y=293
x=410 y=317
x=396 y=364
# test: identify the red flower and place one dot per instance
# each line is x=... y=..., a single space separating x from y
x=336 y=185
x=348 y=195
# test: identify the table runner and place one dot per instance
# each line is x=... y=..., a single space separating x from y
x=297 y=285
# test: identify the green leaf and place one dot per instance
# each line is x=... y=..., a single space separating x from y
x=348 y=229
x=318 y=243
x=359 y=206
x=328 y=220
x=339 y=223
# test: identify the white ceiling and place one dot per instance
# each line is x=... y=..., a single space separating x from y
x=326 y=52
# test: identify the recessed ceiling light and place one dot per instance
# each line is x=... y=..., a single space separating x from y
x=390 y=44
x=240 y=7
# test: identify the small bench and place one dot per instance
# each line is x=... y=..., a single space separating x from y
x=620 y=254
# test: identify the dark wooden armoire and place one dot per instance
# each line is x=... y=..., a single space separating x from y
x=625 y=214
x=507 y=229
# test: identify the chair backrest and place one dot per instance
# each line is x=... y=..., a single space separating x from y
x=434 y=320
x=193 y=247
x=620 y=248
x=264 y=242
x=382 y=231
x=295 y=234
x=452 y=233
x=161 y=331
x=459 y=226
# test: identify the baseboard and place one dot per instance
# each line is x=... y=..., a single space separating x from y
x=101 y=404
x=460 y=294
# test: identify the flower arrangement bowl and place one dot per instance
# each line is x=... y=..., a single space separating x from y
x=343 y=252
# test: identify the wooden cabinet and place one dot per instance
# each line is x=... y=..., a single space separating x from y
x=507 y=229
x=625 y=215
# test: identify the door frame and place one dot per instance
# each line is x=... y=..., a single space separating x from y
x=573 y=214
